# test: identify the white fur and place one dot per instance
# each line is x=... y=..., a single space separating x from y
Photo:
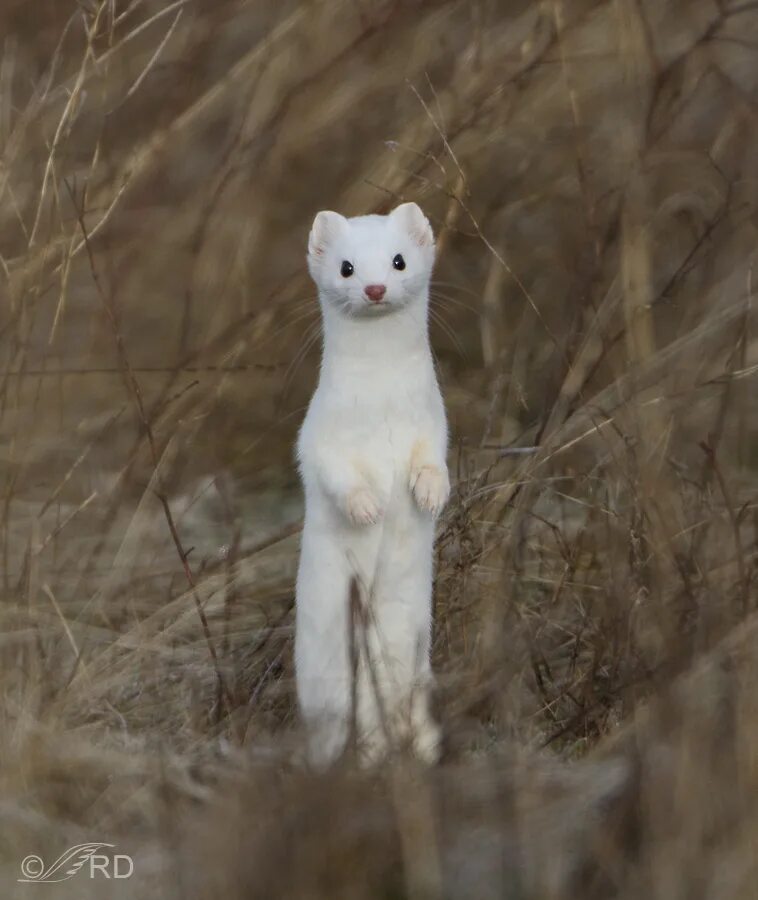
x=372 y=455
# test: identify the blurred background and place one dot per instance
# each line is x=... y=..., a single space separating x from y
x=590 y=168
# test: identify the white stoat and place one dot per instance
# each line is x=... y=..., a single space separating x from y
x=372 y=454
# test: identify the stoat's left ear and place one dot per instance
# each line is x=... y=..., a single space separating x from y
x=415 y=223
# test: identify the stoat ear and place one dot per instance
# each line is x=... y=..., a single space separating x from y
x=415 y=223
x=326 y=227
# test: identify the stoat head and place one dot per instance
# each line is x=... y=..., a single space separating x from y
x=371 y=265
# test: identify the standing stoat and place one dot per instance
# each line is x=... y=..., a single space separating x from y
x=372 y=454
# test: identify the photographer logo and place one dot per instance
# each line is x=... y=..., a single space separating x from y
x=84 y=858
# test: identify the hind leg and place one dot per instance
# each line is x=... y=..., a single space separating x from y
x=325 y=653
x=393 y=702
x=394 y=686
x=322 y=672
x=426 y=736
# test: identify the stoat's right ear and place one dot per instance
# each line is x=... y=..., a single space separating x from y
x=326 y=227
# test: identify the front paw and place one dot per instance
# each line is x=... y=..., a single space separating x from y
x=362 y=507
x=431 y=488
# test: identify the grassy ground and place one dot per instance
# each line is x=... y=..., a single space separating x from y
x=590 y=171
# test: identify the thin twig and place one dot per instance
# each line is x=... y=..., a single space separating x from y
x=710 y=453
x=136 y=394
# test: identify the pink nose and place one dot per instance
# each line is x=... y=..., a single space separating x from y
x=375 y=292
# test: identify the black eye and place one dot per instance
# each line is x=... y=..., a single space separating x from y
x=346 y=270
x=398 y=262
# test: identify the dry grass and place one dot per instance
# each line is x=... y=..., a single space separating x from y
x=590 y=169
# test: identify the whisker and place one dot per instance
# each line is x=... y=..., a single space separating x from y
x=303 y=303
x=311 y=337
x=436 y=295
x=444 y=326
x=457 y=287
x=435 y=359
x=303 y=316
